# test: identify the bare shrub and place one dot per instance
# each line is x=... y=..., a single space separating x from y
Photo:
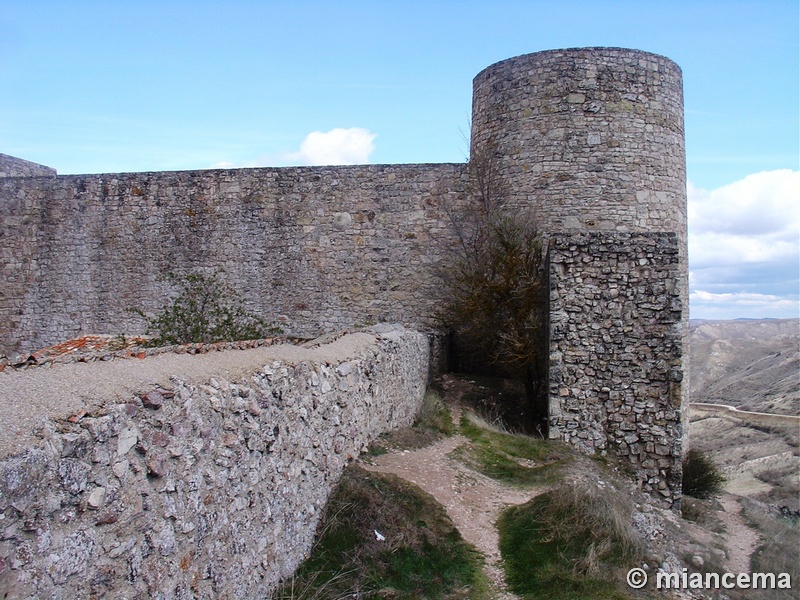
x=206 y=310
x=496 y=285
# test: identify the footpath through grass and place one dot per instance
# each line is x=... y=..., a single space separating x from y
x=421 y=555
x=513 y=459
x=383 y=537
x=572 y=541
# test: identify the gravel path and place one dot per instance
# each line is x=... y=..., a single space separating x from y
x=471 y=500
x=742 y=540
x=31 y=396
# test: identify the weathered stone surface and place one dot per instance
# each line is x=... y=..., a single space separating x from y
x=216 y=494
x=11 y=166
x=591 y=138
x=153 y=400
x=616 y=342
x=96 y=498
x=279 y=235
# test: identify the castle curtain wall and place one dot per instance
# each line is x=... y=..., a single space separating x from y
x=312 y=249
x=589 y=140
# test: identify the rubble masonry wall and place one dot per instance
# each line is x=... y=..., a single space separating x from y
x=199 y=490
x=616 y=376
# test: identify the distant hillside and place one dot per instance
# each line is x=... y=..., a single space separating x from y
x=751 y=364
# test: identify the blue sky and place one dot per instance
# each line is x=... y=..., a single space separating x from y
x=92 y=87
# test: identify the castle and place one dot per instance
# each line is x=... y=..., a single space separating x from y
x=590 y=139
x=212 y=486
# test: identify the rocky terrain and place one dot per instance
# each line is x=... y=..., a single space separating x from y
x=751 y=364
x=754 y=366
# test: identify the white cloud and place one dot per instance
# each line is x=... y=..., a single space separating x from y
x=335 y=147
x=263 y=161
x=766 y=202
x=744 y=246
x=338 y=146
x=717 y=249
x=707 y=305
x=224 y=164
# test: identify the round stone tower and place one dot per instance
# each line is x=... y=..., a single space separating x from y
x=591 y=141
x=591 y=138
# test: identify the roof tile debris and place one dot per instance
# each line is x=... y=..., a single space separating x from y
x=90 y=348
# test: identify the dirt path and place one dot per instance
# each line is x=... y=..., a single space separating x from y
x=742 y=540
x=472 y=500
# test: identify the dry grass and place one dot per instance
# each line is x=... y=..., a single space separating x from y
x=760 y=463
x=780 y=552
x=421 y=555
x=511 y=458
x=500 y=402
x=432 y=424
x=572 y=542
x=435 y=415
x=702 y=512
x=486 y=422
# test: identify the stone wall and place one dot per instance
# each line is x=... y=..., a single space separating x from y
x=590 y=140
x=616 y=348
x=11 y=166
x=206 y=488
x=314 y=250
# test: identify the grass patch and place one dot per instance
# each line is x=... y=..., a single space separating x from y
x=702 y=512
x=785 y=485
x=422 y=555
x=377 y=449
x=432 y=424
x=434 y=415
x=499 y=401
x=571 y=542
x=787 y=431
x=511 y=458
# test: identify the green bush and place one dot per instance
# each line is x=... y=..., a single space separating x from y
x=205 y=311
x=701 y=477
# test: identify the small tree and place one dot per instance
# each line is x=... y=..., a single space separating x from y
x=496 y=285
x=206 y=311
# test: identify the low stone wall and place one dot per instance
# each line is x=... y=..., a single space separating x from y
x=209 y=487
x=615 y=350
